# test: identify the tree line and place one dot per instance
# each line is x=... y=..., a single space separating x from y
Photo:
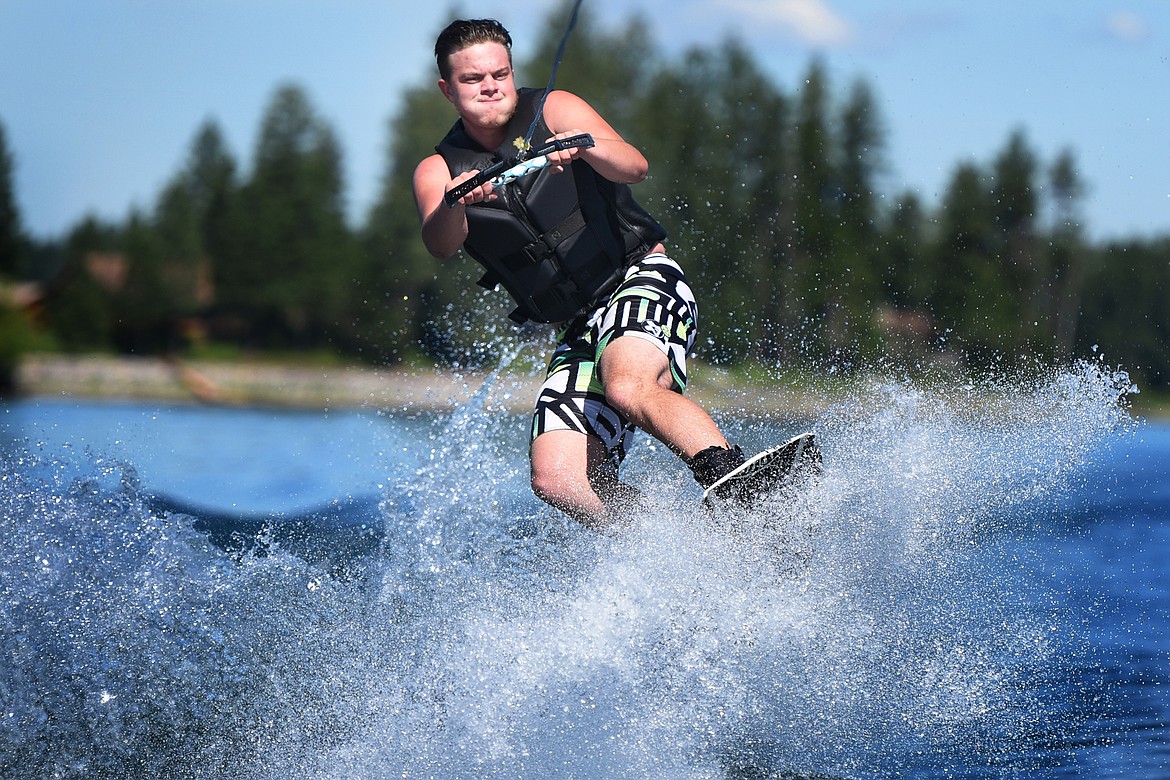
x=773 y=200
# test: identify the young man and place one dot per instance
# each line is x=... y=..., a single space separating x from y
x=573 y=248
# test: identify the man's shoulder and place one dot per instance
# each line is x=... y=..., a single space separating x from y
x=431 y=166
x=565 y=110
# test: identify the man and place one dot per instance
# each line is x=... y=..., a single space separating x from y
x=573 y=248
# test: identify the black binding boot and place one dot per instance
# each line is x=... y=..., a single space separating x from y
x=714 y=463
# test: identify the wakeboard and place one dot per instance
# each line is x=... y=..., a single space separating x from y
x=765 y=474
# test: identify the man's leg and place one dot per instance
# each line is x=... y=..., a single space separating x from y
x=643 y=335
x=637 y=380
x=571 y=472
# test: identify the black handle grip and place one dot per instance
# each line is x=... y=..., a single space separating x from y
x=579 y=141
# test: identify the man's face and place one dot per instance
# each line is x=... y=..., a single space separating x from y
x=481 y=86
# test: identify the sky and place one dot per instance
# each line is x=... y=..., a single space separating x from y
x=100 y=100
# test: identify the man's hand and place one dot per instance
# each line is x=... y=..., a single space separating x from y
x=480 y=194
x=612 y=156
x=559 y=160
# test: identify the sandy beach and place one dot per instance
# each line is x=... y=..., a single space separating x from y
x=349 y=387
x=260 y=383
x=250 y=383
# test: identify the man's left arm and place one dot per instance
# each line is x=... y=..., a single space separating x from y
x=611 y=156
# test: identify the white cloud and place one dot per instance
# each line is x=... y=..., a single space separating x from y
x=1127 y=27
x=813 y=21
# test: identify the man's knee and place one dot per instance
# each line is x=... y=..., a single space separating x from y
x=624 y=392
x=571 y=494
x=553 y=487
x=634 y=372
x=558 y=473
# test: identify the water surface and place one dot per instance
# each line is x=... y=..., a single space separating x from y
x=974 y=589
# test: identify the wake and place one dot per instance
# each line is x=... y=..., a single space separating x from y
x=886 y=621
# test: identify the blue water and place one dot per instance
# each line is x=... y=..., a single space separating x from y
x=976 y=588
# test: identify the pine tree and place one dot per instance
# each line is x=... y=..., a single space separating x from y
x=208 y=183
x=903 y=271
x=718 y=157
x=150 y=300
x=609 y=69
x=1068 y=262
x=80 y=311
x=11 y=232
x=15 y=329
x=816 y=273
x=1017 y=307
x=860 y=161
x=965 y=276
x=1126 y=309
x=405 y=290
x=293 y=256
x=192 y=226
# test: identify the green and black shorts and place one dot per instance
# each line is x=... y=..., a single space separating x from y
x=653 y=302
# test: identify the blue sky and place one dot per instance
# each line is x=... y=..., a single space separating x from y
x=100 y=99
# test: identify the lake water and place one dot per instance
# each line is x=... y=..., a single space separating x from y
x=976 y=588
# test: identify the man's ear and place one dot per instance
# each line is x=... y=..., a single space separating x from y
x=445 y=88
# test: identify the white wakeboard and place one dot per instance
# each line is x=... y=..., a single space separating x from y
x=766 y=473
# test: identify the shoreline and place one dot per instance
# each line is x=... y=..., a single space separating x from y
x=242 y=384
x=401 y=389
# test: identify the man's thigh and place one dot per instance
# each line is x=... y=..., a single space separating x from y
x=568 y=455
x=635 y=360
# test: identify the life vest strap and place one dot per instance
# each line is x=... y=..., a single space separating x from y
x=536 y=251
x=545 y=244
x=569 y=290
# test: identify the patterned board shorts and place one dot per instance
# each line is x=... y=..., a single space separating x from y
x=653 y=302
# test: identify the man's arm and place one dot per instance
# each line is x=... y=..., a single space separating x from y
x=611 y=156
x=443 y=229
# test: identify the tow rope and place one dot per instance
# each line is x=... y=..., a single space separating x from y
x=525 y=145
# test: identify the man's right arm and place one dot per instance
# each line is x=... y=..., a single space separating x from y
x=444 y=229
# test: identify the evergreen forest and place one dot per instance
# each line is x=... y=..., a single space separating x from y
x=772 y=197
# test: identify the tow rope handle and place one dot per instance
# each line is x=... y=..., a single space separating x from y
x=514 y=168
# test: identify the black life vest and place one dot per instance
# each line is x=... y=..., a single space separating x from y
x=557 y=242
